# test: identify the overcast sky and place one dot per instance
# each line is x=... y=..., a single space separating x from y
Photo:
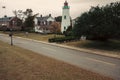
x=53 y=7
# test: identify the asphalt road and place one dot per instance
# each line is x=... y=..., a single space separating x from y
x=100 y=64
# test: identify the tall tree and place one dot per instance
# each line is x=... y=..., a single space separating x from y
x=29 y=21
x=99 y=23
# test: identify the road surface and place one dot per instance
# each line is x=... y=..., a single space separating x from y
x=101 y=64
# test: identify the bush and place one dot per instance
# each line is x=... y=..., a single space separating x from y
x=62 y=39
x=99 y=23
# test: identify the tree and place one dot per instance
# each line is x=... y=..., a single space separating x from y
x=28 y=12
x=58 y=19
x=81 y=25
x=29 y=20
x=68 y=32
x=17 y=13
x=55 y=27
x=99 y=23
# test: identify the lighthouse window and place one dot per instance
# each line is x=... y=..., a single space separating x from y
x=64 y=17
x=64 y=28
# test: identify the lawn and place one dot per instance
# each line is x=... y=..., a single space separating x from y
x=20 y=64
x=36 y=36
x=111 y=46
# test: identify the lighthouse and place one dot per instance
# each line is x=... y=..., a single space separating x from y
x=65 y=17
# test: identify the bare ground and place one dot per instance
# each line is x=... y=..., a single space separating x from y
x=21 y=64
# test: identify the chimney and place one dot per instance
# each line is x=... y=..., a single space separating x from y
x=41 y=15
x=49 y=15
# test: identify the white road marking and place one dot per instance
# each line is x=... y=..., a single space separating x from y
x=49 y=49
x=101 y=61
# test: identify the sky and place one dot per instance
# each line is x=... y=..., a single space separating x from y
x=53 y=7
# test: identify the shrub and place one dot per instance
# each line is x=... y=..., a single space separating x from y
x=62 y=39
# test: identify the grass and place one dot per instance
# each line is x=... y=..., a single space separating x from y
x=108 y=45
x=36 y=36
x=20 y=64
x=111 y=46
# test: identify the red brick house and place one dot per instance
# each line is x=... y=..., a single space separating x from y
x=15 y=23
x=8 y=23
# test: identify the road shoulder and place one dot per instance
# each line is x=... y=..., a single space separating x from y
x=75 y=48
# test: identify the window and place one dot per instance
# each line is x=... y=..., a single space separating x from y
x=64 y=17
x=46 y=22
x=50 y=22
x=64 y=28
x=42 y=22
x=38 y=23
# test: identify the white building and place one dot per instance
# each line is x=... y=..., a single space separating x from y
x=43 y=23
x=65 y=17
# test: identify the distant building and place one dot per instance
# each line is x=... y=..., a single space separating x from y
x=43 y=23
x=15 y=23
x=65 y=17
x=8 y=23
x=4 y=22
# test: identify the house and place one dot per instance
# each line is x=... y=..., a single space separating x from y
x=8 y=23
x=4 y=23
x=43 y=23
x=15 y=23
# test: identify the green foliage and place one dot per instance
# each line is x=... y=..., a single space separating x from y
x=29 y=21
x=58 y=19
x=68 y=32
x=110 y=45
x=28 y=12
x=100 y=23
x=62 y=39
x=19 y=22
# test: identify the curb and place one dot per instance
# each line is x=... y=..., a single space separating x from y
x=75 y=48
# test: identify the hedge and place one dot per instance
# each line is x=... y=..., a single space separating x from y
x=62 y=39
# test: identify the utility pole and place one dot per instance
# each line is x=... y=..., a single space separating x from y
x=11 y=33
x=11 y=36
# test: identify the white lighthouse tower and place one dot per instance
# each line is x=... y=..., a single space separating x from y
x=65 y=17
